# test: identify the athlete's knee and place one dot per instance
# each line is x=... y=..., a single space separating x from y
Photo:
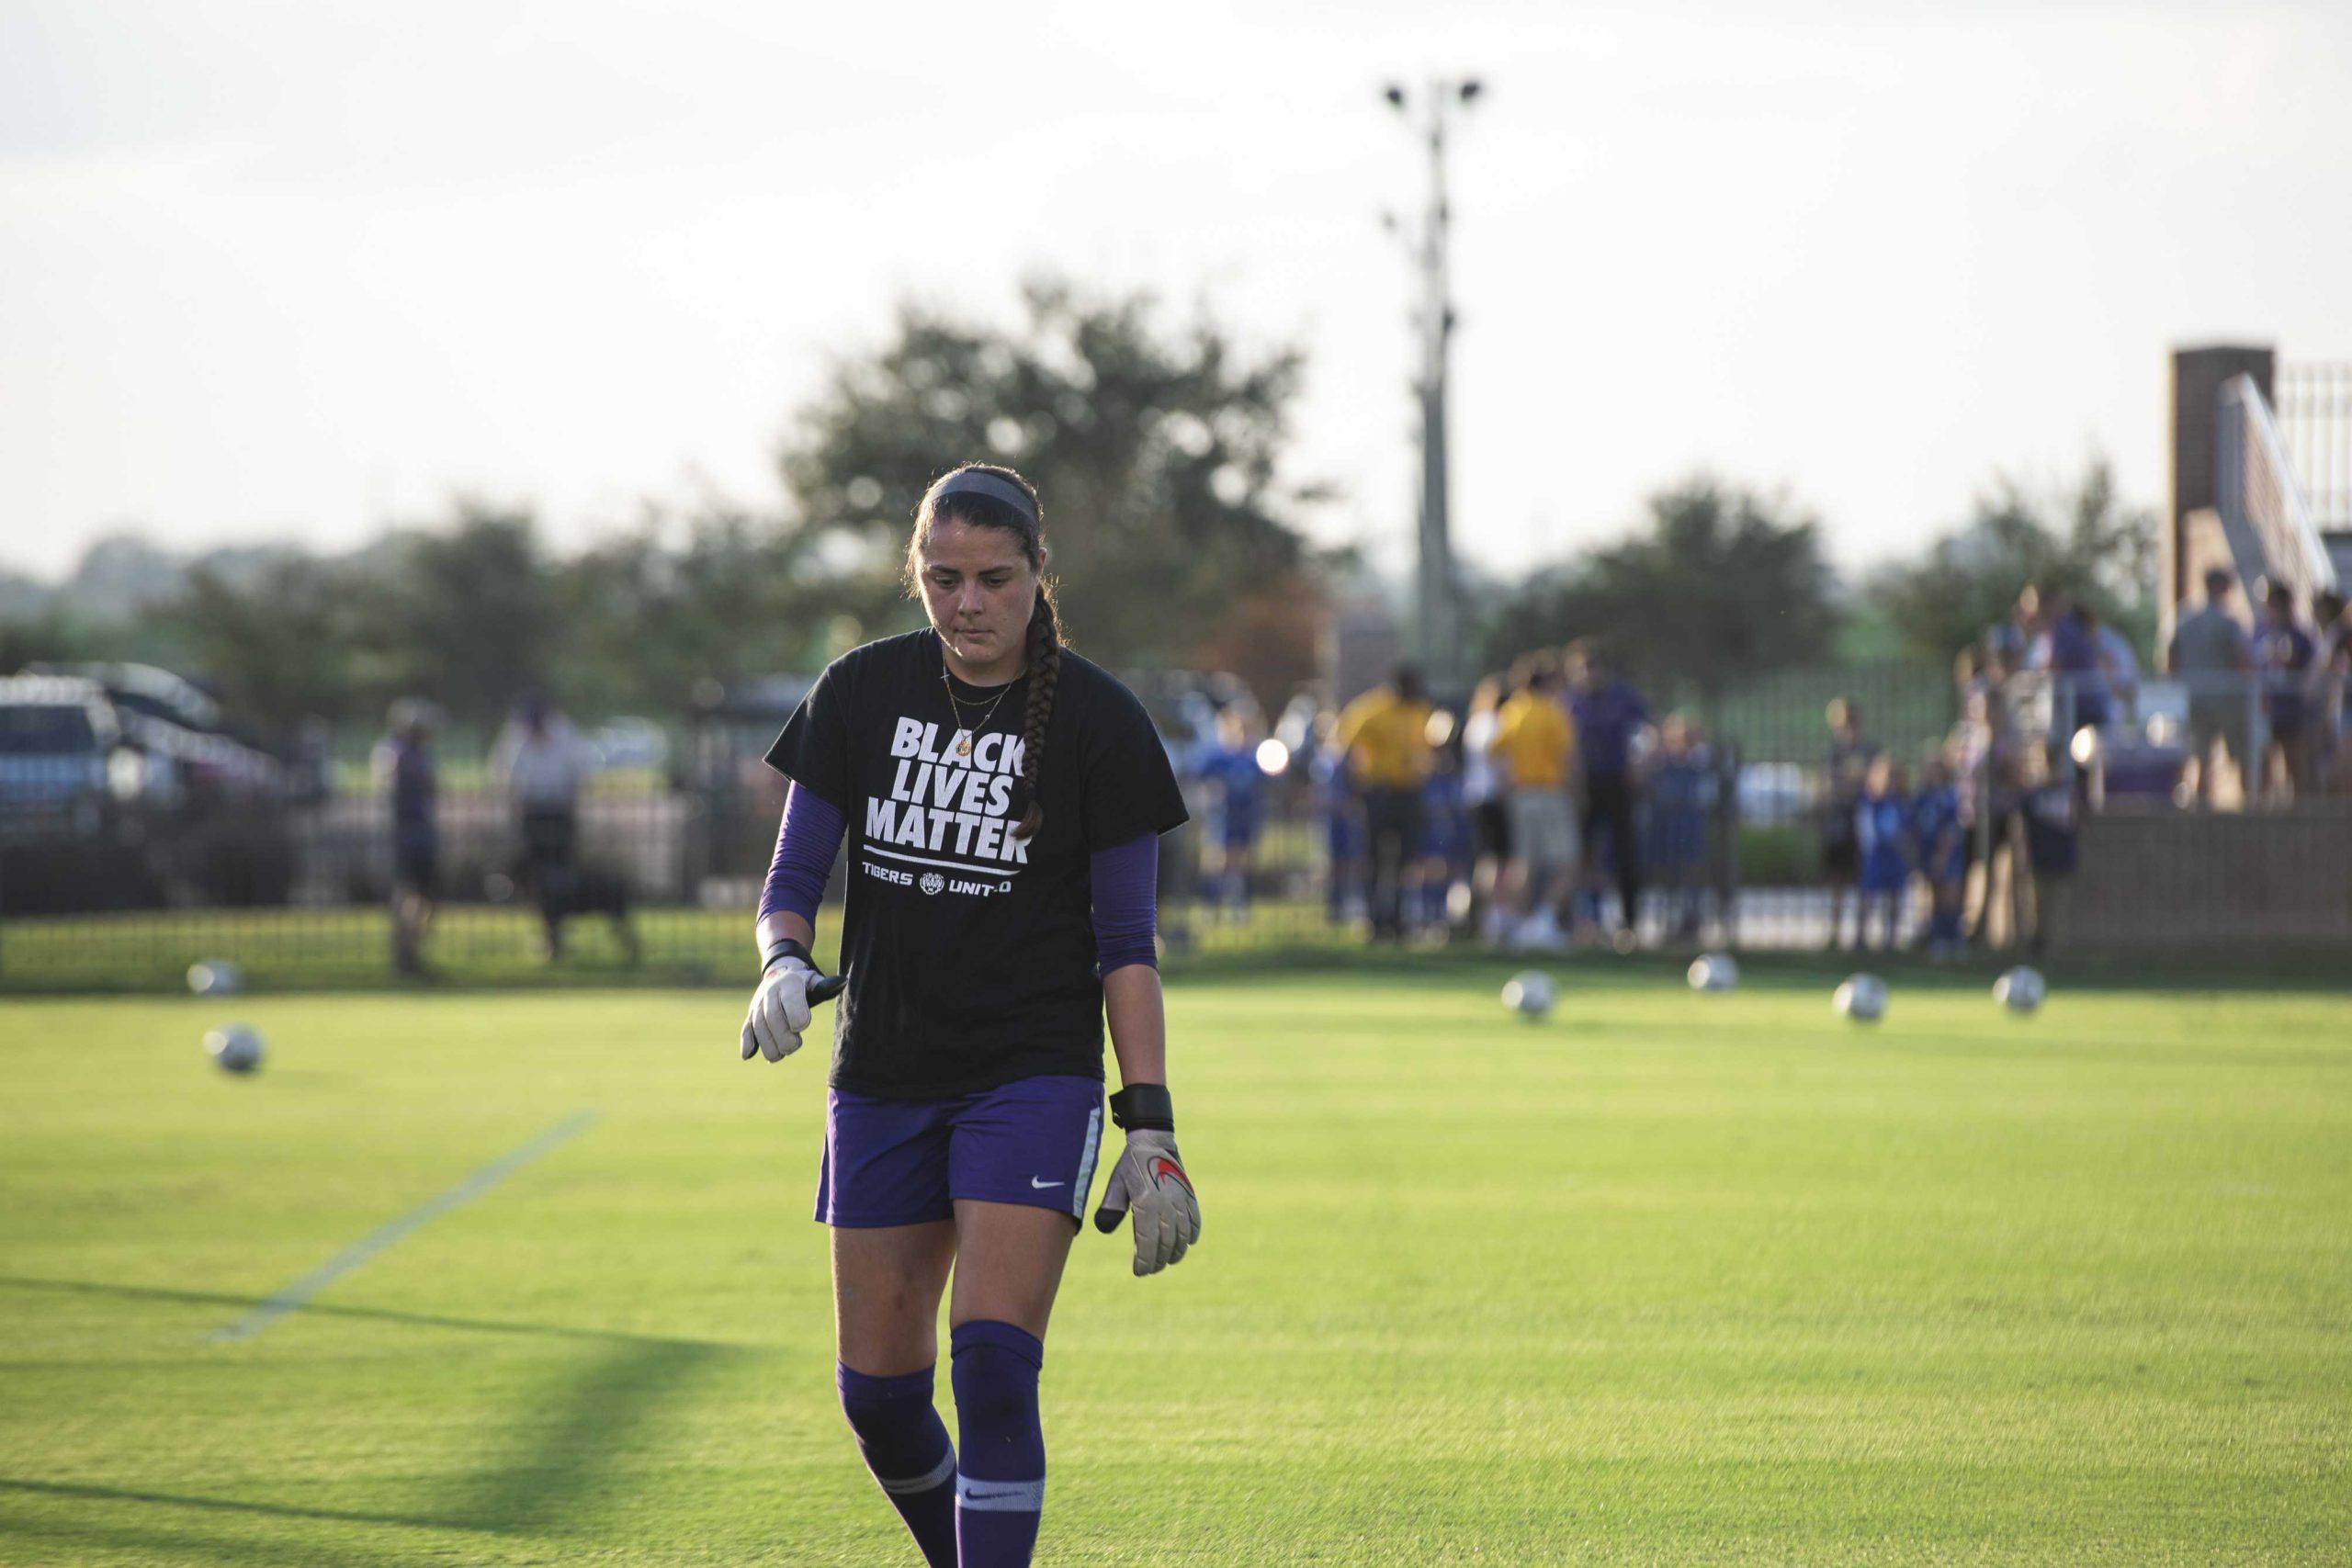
x=995 y=1374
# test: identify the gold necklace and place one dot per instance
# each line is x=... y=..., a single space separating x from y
x=969 y=732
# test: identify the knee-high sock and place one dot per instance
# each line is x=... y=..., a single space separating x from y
x=906 y=1446
x=1000 y=1482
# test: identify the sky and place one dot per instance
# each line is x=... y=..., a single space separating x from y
x=303 y=270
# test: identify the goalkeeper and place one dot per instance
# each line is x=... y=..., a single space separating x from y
x=1002 y=799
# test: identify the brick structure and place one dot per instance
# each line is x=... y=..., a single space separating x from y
x=2198 y=375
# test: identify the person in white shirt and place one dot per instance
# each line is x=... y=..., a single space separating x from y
x=540 y=763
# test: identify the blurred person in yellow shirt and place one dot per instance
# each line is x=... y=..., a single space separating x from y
x=1383 y=737
x=1534 y=751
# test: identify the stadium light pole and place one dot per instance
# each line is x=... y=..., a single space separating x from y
x=1433 y=323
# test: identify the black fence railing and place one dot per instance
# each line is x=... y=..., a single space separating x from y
x=1754 y=826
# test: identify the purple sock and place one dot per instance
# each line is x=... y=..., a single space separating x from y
x=1000 y=1485
x=906 y=1446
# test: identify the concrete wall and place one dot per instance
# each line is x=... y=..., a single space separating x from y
x=2213 y=882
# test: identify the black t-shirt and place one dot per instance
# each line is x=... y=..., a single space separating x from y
x=970 y=952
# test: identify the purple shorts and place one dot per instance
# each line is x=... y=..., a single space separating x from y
x=903 y=1162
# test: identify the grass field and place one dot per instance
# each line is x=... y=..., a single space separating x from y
x=1667 y=1280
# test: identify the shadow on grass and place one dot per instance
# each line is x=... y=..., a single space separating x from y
x=545 y=1476
x=377 y=1314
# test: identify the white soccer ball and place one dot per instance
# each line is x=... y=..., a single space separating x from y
x=1713 y=972
x=233 y=1047
x=1529 y=994
x=215 y=978
x=2019 y=990
x=1862 y=998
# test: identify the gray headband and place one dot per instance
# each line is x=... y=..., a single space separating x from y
x=980 y=482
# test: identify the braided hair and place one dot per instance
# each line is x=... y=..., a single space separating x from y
x=1046 y=637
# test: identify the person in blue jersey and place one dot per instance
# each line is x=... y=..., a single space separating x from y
x=1610 y=719
x=1939 y=845
x=1001 y=800
x=1238 y=808
x=1883 y=833
x=1674 y=823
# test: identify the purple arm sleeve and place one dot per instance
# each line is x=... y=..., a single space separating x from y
x=1125 y=882
x=805 y=845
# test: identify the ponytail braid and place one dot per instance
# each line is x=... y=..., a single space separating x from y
x=1045 y=671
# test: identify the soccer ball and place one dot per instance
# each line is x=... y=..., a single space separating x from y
x=233 y=1047
x=2019 y=990
x=215 y=978
x=1529 y=994
x=1713 y=972
x=1862 y=998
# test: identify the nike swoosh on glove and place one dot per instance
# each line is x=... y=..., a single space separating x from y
x=1149 y=1181
x=779 y=1010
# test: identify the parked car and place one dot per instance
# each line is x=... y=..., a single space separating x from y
x=72 y=795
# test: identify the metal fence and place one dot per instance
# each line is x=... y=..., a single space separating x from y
x=1745 y=834
x=2315 y=422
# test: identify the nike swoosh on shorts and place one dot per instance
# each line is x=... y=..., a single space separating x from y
x=1041 y=1186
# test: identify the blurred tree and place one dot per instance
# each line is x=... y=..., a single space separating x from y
x=1272 y=639
x=647 y=619
x=465 y=616
x=2079 y=539
x=1719 y=582
x=1158 y=455
x=276 y=647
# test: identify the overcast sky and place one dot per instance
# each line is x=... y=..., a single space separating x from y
x=296 y=269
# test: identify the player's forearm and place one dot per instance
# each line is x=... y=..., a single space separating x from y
x=1139 y=1019
x=774 y=928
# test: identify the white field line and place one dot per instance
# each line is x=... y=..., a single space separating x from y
x=292 y=1297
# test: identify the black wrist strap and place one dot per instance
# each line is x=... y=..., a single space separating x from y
x=1144 y=1108
x=785 y=947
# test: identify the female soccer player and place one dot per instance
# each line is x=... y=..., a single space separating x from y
x=1003 y=799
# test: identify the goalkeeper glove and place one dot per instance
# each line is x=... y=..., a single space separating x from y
x=1149 y=1181
x=780 y=1008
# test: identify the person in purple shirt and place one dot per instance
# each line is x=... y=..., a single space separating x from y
x=1610 y=717
x=2283 y=653
x=1001 y=800
x=2077 y=669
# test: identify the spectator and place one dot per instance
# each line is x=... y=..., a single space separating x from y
x=404 y=771
x=2119 y=666
x=1610 y=717
x=2211 y=656
x=1984 y=746
x=1383 y=736
x=2051 y=814
x=1335 y=805
x=1533 y=748
x=1482 y=796
x=1842 y=774
x=1941 y=844
x=540 y=763
x=2078 y=677
x=2331 y=662
x=2283 y=652
x=1445 y=828
x=1674 y=840
x=1883 y=832
x=2009 y=643
x=1237 y=805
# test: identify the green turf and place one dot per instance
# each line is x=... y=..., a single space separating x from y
x=1669 y=1279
